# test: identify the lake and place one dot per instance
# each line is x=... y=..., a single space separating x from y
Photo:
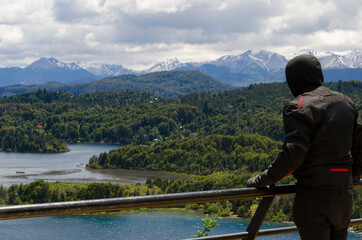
x=24 y=168
x=19 y=168
x=153 y=225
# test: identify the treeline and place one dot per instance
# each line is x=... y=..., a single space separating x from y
x=26 y=138
x=102 y=99
x=45 y=192
x=197 y=155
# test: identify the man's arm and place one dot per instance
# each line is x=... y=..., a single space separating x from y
x=357 y=152
x=294 y=150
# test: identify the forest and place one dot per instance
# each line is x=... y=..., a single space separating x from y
x=197 y=155
x=220 y=139
x=48 y=120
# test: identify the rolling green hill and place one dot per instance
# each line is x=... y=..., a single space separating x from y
x=165 y=84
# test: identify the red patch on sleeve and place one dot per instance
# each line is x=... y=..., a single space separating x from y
x=338 y=170
x=300 y=102
x=287 y=175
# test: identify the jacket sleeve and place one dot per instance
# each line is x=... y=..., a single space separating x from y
x=295 y=147
x=357 y=152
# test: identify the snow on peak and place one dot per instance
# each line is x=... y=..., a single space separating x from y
x=262 y=61
x=317 y=54
x=44 y=63
x=166 y=65
x=353 y=59
x=52 y=63
x=334 y=60
x=266 y=60
x=97 y=69
x=102 y=70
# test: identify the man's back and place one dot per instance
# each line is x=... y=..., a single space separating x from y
x=329 y=117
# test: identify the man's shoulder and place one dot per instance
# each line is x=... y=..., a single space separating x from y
x=325 y=92
x=319 y=97
x=337 y=96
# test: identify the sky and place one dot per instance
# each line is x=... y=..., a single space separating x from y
x=140 y=33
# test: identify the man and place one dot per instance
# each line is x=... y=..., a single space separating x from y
x=321 y=130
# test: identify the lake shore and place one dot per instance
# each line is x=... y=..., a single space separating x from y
x=135 y=176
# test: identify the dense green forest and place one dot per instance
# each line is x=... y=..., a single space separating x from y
x=198 y=155
x=49 y=119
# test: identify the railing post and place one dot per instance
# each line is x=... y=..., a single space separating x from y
x=259 y=217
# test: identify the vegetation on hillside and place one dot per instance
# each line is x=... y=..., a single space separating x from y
x=163 y=84
x=48 y=119
x=201 y=156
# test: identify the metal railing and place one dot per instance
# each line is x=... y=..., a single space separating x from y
x=162 y=200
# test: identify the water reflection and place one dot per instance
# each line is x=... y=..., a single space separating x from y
x=19 y=168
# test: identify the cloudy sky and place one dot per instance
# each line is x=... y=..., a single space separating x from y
x=139 y=33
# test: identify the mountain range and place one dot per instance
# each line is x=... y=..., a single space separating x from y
x=237 y=70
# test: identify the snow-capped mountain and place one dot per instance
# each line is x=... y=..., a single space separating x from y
x=239 y=70
x=353 y=59
x=166 y=65
x=104 y=70
x=265 y=66
x=317 y=54
x=52 y=63
x=98 y=69
x=272 y=61
x=268 y=61
x=45 y=70
x=251 y=61
x=329 y=60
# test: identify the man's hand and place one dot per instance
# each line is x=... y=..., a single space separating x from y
x=261 y=181
x=254 y=182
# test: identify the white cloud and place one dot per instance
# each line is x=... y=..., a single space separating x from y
x=336 y=39
x=137 y=33
x=154 y=6
x=14 y=34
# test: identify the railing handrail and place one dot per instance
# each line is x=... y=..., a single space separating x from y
x=161 y=200
x=123 y=203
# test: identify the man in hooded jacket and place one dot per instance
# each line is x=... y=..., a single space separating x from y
x=321 y=130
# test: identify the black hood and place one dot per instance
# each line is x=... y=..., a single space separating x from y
x=303 y=73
